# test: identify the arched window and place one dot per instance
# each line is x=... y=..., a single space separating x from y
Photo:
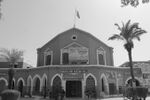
x=90 y=86
x=103 y=89
x=48 y=57
x=101 y=56
x=65 y=58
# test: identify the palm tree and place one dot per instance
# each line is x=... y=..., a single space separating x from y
x=12 y=57
x=128 y=33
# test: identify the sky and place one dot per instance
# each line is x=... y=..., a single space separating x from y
x=29 y=24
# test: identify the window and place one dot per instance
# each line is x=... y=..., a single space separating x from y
x=74 y=37
x=101 y=59
x=100 y=56
x=65 y=58
x=48 y=57
x=48 y=60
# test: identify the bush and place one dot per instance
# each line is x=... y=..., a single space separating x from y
x=90 y=92
x=136 y=92
x=10 y=95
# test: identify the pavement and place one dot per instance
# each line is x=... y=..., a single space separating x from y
x=40 y=98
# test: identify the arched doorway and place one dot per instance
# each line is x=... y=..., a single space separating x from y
x=73 y=88
x=56 y=86
x=20 y=87
x=90 y=86
x=36 y=86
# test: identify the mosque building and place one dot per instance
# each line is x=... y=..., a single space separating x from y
x=74 y=60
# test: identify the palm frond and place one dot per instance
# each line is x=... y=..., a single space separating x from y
x=133 y=26
x=127 y=25
x=137 y=34
x=13 y=55
x=115 y=36
x=119 y=28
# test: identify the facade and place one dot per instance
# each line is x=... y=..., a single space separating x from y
x=74 y=60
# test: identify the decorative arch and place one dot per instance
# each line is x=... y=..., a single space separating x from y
x=101 y=54
x=93 y=77
x=21 y=79
x=36 y=84
x=54 y=78
x=29 y=81
x=3 y=84
x=43 y=81
x=20 y=85
x=36 y=76
x=129 y=78
x=29 y=84
x=43 y=77
x=6 y=82
x=48 y=57
x=104 y=83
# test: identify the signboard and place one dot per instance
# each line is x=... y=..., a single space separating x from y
x=72 y=76
x=74 y=71
x=78 y=53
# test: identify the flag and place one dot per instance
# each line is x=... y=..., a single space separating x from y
x=77 y=13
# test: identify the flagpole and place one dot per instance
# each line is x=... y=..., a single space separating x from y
x=74 y=25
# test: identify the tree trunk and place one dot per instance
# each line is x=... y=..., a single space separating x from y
x=10 y=76
x=131 y=66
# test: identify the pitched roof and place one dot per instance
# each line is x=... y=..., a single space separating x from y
x=76 y=29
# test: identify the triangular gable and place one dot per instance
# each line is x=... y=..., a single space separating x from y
x=73 y=45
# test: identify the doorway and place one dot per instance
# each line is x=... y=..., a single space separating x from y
x=74 y=89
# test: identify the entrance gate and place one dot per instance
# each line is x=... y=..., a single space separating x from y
x=74 y=89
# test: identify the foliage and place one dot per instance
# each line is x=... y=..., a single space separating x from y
x=90 y=92
x=10 y=95
x=12 y=56
x=133 y=3
x=128 y=33
x=136 y=92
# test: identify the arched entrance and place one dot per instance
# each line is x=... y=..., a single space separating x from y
x=36 y=86
x=90 y=86
x=73 y=89
x=56 y=87
x=20 y=87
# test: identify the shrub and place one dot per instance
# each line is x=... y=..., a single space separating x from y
x=10 y=95
x=90 y=92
